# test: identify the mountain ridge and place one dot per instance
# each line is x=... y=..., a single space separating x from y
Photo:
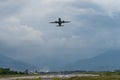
x=107 y=61
x=7 y=62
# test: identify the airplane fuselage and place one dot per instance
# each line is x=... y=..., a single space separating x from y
x=59 y=22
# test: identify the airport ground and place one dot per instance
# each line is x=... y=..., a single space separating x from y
x=48 y=77
x=96 y=76
x=80 y=76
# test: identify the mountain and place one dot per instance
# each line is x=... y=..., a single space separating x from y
x=48 y=63
x=6 y=62
x=107 y=61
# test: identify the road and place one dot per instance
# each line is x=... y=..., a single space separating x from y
x=48 y=77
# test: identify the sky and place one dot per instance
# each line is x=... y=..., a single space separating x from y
x=27 y=35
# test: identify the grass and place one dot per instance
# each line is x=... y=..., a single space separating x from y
x=93 y=78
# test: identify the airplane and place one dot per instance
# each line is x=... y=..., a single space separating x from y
x=60 y=22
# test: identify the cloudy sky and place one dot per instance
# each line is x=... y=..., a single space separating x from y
x=26 y=35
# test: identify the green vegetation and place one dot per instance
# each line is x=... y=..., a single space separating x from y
x=93 y=78
x=56 y=78
x=4 y=71
x=7 y=71
x=37 y=79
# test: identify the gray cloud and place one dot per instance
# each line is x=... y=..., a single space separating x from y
x=25 y=32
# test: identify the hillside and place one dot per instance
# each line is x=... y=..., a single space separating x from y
x=103 y=62
x=6 y=62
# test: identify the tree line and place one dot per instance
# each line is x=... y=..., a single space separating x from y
x=8 y=71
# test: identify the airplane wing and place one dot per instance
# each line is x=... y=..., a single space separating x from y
x=65 y=21
x=54 y=22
